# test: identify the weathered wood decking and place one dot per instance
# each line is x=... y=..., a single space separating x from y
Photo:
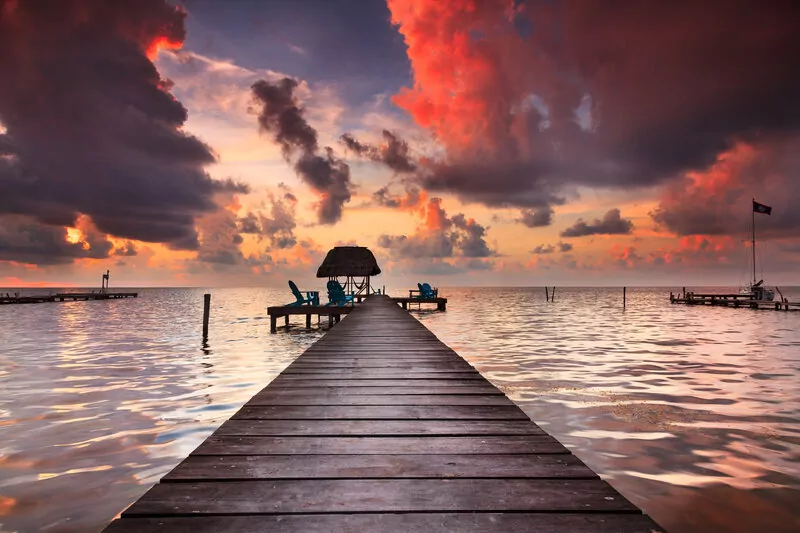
x=380 y=427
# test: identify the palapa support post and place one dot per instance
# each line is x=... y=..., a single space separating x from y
x=308 y=320
x=286 y=321
x=206 y=310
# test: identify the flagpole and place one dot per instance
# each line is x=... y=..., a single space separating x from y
x=754 y=241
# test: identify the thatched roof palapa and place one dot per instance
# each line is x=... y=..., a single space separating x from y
x=349 y=261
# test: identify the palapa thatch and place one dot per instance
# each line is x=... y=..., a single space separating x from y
x=349 y=261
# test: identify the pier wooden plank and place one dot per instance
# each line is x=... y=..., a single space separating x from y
x=380 y=412
x=377 y=418
x=383 y=523
x=379 y=466
x=380 y=495
x=377 y=428
x=344 y=390
x=512 y=444
x=268 y=398
x=283 y=382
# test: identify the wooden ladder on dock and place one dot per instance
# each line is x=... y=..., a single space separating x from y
x=380 y=427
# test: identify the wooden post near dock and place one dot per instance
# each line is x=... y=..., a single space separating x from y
x=624 y=296
x=206 y=310
x=546 y=294
x=552 y=294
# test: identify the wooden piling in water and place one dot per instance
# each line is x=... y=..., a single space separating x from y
x=377 y=427
x=546 y=294
x=206 y=312
x=624 y=296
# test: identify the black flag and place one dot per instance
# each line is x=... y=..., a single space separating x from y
x=761 y=208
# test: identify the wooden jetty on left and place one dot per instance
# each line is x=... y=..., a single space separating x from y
x=380 y=427
x=102 y=294
x=65 y=297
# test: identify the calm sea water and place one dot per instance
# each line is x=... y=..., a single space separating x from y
x=692 y=413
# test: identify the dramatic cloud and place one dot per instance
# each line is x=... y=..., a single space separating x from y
x=278 y=225
x=589 y=108
x=412 y=199
x=393 y=152
x=549 y=248
x=282 y=116
x=92 y=129
x=612 y=223
x=536 y=219
x=718 y=200
x=25 y=240
x=439 y=236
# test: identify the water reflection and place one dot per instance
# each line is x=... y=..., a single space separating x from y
x=102 y=398
x=693 y=413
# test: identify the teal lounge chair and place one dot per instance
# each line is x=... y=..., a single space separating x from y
x=428 y=292
x=311 y=297
x=336 y=294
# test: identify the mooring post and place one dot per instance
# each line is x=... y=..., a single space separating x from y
x=624 y=296
x=553 y=294
x=206 y=309
x=546 y=294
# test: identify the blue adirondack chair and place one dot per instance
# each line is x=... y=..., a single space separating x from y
x=310 y=298
x=336 y=294
x=425 y=291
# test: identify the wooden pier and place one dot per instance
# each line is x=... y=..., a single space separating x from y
x=405 y=303
x=733 y=300
x=6 y=298
x=333 y=312
x=380 y=427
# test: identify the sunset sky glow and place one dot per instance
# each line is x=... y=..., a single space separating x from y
x=465 y=142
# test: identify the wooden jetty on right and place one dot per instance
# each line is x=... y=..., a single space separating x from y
x=733 y=300
x=380 y=427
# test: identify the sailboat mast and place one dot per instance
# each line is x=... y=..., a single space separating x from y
x=754 y=243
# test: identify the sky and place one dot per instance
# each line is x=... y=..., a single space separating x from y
x=465 y=142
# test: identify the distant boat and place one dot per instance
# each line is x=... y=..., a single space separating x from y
x=756 y=289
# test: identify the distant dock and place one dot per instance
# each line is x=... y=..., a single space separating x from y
x=7 y=299
x=381 y=427
x=733 y=300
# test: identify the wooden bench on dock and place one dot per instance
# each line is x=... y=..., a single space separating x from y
x=380 y=427
x=405 y=302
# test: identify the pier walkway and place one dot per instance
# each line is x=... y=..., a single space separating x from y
x=380 y=427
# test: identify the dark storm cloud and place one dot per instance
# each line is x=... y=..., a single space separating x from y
x=662 y=88
x=92 y=128
x=536 y=219
x=612 y=223
x=25 y=240
x=282 y=117
x=393 y=152
x=719 y=201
